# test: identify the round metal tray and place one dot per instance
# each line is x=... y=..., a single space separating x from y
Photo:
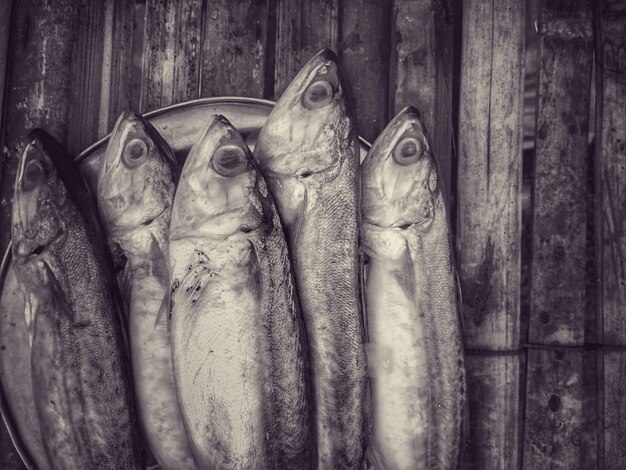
x=181 y=126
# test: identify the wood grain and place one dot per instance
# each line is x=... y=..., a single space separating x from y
x=303 y=28
x=118 y=91
x=5 y=26
x=611 y=224
x=86 y=73
x=234 y=48
x=422 y=65
x=489 y=218
x=171 y=58
x=557 y=307
x=558 y=418
x=364 y=54
x=488 y=405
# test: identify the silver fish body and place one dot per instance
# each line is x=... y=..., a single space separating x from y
x=308 y=152
x=415 y=351
x=135 y=193
x=81 y=382
x=237 y=338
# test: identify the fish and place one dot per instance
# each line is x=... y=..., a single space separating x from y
x=415 y=350
x=135 y=192
x=238 y=345
x=81 y=381
x=308 y=151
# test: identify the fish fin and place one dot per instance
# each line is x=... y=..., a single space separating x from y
x=164 y=317
x=300 y=217
x=255 y=267
x=159 y=265
x=30 y=311
x=459 y=300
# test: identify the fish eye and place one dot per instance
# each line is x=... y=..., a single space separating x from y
x=229 y=160
x=318 y=94
x=34 y=173
x=408 y=151
x=134 y=153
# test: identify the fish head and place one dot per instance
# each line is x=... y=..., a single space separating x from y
x=399 y=176
x=137 y=179
x=37 y=224
x=220 y=193
x=309 y=120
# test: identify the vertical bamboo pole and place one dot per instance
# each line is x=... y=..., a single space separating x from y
x=86 y=70
x=421 y=72
x=117 y=86
x=5 y=26
x=172 y=45
x=489 y=223
x=233 y=50
x=303 y=28
x=611 y=223
x=364 y=53
x=559 y=432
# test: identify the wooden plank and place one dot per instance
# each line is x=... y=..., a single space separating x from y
x=171 y=58
x=421 y=74
x=557 y=307
x=86 y=69
x=556 y=403
x=5 y=26
x=490 y=404
x=233 y=48
x=303 y=28
x=489 y=218
x=120 y=87
x=364 y=54
x=611 y=223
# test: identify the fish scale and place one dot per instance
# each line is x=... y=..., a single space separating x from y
x=416 y=350
x=237 y=341
x=309 y=154
x=135 y=191
x=80 y=378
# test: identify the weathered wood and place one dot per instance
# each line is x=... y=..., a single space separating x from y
x=490 y=403
x=124 y=85
x=555 y=404
x=303 y=28
x=611 y=223
x=421 y=74
x=172 y=44
x=5 y=26
x=364 y=54
x=233 y=48
x=557 y=307
x=86 y=69
x=489 y=217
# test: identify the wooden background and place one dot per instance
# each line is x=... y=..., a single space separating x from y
x=526 y=103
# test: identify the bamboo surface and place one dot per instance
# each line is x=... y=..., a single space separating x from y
x=489 y=223
x=611 y=226
x=75 y=65
x=559 y=430
x=421 y=73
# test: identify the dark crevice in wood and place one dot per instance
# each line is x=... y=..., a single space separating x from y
x=270 y=52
